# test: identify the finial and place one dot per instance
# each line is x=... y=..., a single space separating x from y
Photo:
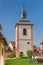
x=23 y=12
x=23 y=5
x=0 y=27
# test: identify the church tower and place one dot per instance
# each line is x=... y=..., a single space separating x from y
x=24 y=34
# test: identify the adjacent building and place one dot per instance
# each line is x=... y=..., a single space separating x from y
x=10 y=49
x=2 y=48
x=41 y=49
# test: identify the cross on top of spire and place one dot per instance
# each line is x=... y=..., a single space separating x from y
x=23 y=6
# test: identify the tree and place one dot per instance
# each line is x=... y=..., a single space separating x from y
x=29 y=54
x=13 y=55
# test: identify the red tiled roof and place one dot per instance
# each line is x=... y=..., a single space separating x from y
x=36 y=49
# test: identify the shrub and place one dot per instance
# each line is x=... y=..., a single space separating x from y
x=29 y=53
x=12 y=55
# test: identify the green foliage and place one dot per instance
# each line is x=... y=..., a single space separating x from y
x=29 y=53
x=20 y=61
x=12 y=55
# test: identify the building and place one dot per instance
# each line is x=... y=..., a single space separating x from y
x=9 y=49
x=36 y=50
x=24 y=34
x=2 y=49
x=12 y=45
x=41 y=49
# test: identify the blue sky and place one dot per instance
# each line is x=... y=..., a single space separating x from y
x=10 y=14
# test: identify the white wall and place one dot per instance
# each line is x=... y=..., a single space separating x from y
x=16 y=37
x=28 y=36
x=11 y=46
x=2 y=60
x=1 y=56
x=24 y=47
x=41 y=46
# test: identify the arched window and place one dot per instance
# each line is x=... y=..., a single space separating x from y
x=24 y=31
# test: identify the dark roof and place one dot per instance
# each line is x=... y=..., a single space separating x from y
x=34 y=46
x=0 y=27
x=1 y=35
x=41 y=43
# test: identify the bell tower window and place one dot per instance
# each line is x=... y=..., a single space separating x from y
x=24 y=31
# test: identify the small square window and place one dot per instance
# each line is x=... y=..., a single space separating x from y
x=28 y=42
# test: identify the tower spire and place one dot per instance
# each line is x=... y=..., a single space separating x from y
x=23 y=12
x=23 y=6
